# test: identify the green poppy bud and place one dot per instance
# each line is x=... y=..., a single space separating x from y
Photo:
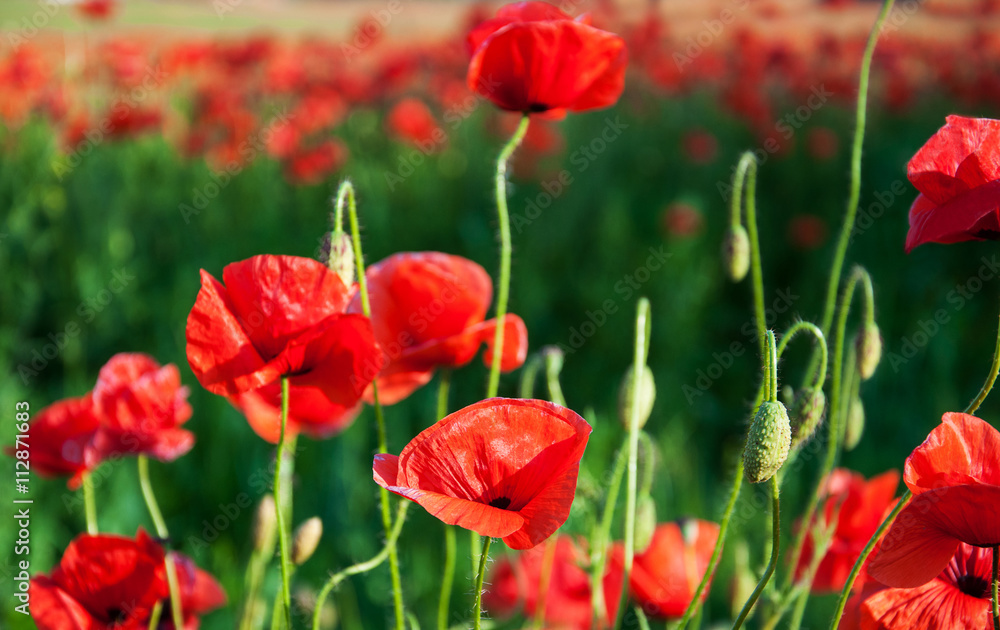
x=305 y=540
x=645 y=522
x=807 y=413
x=869 y=350
x=642 y=393
x=736 y=253
x=855 y=424
x=768 y=442
x=337 y=252
x=264 y=524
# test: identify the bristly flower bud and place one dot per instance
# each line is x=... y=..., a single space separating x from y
x=768 y=442
x=807 y=413
x=736 y=253
x=869 y=349
x=306 y=539
x=337 y=252
x=855 y=424
x=645 y=522
x=264 y=524
x=641 y=393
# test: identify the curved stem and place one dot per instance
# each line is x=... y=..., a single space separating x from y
x=346 y=192
x=553 y=366
x=478 y=608
x=988 y=385
x=996 y=587
x=154 y=616
x=775 y=546
x=279 y=515
x=361 y=567
x=528 y=375
x=820 y=341
x=855 y=185
x=746 y=170
x=503 y=290
x=448 y=576
x=89 y=506
x=161 y=531
x=772 y=361
x=600 y=542
x=642 y=319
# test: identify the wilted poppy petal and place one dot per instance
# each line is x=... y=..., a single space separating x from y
x=962 y=450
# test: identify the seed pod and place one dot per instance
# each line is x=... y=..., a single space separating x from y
x=768 y=442
x=338 y=254
x=807 y=413
x=855 y=424
x=306 y=539
x=736 y=253
x=869 y=350
x=643 y=392
x=645 y=521
x=264 y=524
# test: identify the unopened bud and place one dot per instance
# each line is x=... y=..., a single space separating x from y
x=645 y=521
x=305 y=540
x=641 y=393
x=264 y=524
x=855 y=424
x=869 y=350
x=338 y=254
x=807 y=413
x=768 y=442
x=736 y=253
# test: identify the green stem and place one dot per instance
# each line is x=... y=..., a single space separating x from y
x=475 y=547
x=746 y=171
x=990 y=380
x=448 y=577
x=528 y=375
x=820 y=342
x=478 y=608
x=89 y=506
x=642 y=319
x=361 y=567
x=154 y=616
x=251 y=585
x=996 y=587
x=772 y=362
x=346 y=192
x=855 y=185
x=160 y=525
x=600 y=542
x=775 y=546
x=503 y=290
x=544 y=579
x=286 y=596
x=553 y=365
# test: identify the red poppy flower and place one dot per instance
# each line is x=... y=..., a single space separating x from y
x=411 y=121
x=860 y=507
x=200 y=593
x=957 y=599
x=281 y=316
x=665 y=576
x=533 y=58
x=102 y=582
x=515 y=583
x=96 y=9
x=310 y=165
x=502 y=467
x=955 y=478
x=427 y=312
x=141 y=407
x=807 y=231
x=62 y=440
x=958 y=175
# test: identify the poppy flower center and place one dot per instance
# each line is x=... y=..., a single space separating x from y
x=500 y=502
x=974 y=586
x=989 y=235
x=116 y=615
x=536 y=108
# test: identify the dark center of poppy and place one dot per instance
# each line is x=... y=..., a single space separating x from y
x=988 y=235
x=116 y=615
x=536 y=108
x=500 y=502
x=974 y=586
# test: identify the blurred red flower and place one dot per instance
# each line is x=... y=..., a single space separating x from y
x=502 y=467
x=282 y=316
x=533 y=58
x=141 y=407
x=515 y=584
x=62 y=440
x=665 y=576
x=859 y=507
x=807 y=231
x=822 y=143
x=682 y=219
x=958 y=175
x=955 y=479
x=428 y=311
x=310 y=165
x=411 y=121
x=700 y=146
x=96 y=9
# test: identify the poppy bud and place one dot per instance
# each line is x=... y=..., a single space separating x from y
x=768 y=442
x=807 y=412
x=264 y=528
x=645 y=521
x=306 y=539
x=338 y=254
x=736 y=252
x=855 y=424
x=869 y=350
x=641 y=393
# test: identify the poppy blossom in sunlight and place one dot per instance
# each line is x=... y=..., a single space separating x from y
x=534 y=58
x=515 y=584
x=958 y=175
x=502 y=467
x=955 y=479
x=61 y=437
x=282 y=316
x=101 y=582
x=859 y=507
x=141 y=407
x=958 y=598
x=665 y=576
x=428 y=311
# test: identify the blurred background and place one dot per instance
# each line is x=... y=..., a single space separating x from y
x=145 y=140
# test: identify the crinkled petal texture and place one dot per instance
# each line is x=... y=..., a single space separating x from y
x=502 y=467
x=546 y=65
x=957 y=599
x=517 y=12
x=102 y=581
x=427 y=312
x=141 y=407
x=953 y=476
x=958 y=175
x=61 y=437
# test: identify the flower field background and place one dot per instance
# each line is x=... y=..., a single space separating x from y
x=132 y=156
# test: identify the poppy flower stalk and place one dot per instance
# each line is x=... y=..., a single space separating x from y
x=89 y=505
x=448 y=575
x=996 y=587
x=176 y=614
x=279 y=508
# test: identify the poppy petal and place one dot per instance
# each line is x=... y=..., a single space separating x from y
x=515 y=343
x=931 y=605
x=52 y=608
x=546 y=513
x=963 y=449
x=479 y=517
